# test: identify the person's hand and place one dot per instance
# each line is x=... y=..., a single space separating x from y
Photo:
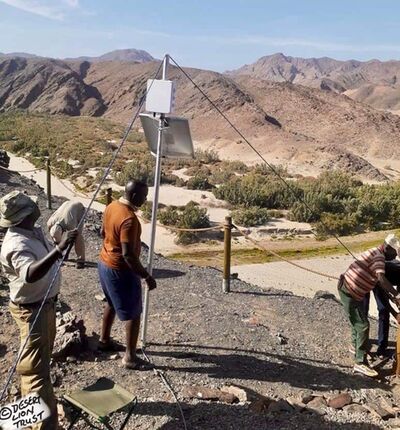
x=151 y=283
x=68 y=238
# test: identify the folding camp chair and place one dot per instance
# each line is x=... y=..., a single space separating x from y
x=101 y=400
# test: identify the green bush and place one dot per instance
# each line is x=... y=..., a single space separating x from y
x=140 y=169
x=198 y=182
x=258 y=190
x=250 y=217
x=190 y=216
x=206 y=156
x=338 y=224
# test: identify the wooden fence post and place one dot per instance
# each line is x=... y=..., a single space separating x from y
x=48 y=180
x=226 y=281
x=109 y=196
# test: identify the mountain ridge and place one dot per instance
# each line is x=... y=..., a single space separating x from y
x=287 y=123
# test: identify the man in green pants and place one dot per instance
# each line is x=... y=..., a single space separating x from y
x=358 y=280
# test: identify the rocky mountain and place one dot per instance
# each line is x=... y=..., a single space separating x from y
x=18 y=54
x=136 y=55
x=306 y=129
x=47 y=85
x=374 y=82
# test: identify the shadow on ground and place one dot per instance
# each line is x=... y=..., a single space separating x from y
x=206 y=415
x=227 y=364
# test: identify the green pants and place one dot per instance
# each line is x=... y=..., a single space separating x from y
x=34 y=366
x=359 y=324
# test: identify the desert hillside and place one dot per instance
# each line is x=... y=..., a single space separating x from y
x=287 y=123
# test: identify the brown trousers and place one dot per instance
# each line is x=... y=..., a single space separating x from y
x=34 y=366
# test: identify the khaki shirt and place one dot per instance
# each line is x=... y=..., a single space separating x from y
x=19 y=250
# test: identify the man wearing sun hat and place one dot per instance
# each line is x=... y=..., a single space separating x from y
x=360 y=278
x=30 y=264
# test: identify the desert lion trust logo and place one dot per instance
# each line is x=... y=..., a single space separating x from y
x=25 y=412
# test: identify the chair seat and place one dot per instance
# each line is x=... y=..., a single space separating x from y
x=101 y=399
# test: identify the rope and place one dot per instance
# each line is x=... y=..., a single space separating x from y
x=61 y=261
x=165 y=381
x=19 y=171
x=299 y=266
x=74 y=192
x=270 y=166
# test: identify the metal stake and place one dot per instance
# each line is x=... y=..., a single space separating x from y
x=157 y=179
x=226 y=281
x=48 y=181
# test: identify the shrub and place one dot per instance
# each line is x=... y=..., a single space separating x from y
x=198 y=182
x=258 y=190
x=189 y=216
x=141 y=168
x=207 y=156
x=251 y=217
x=169 y=216
x=275 y=213
x=338 y=224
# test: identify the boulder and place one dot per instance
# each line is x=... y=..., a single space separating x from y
x=338 y=402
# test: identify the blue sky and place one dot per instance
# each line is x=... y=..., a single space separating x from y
x=212 y=34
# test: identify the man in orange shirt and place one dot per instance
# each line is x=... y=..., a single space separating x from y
x=120 y=270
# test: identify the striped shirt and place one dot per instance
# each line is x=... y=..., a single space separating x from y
x=362 y=275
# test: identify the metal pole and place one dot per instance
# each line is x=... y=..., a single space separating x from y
x=108 y=196
x=157 y=179
x=48 y=180
x=226 y=281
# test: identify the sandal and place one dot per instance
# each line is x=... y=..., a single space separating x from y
x=138 y=364
x=110 y=346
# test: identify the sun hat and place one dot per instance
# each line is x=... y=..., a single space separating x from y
x=392 y=241
x=15 y=207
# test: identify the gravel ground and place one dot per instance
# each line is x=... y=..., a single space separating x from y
x=268 y=341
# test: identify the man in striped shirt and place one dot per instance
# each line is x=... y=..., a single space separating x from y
x=359 y=279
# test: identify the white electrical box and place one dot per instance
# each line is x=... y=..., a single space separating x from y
x=160 y=96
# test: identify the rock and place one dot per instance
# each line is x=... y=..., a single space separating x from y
x=318 y=405
x=282 y=340
x=296 y=403
x=114 y=357
x=4 y=159
x=279 y=406
x=379 y=410
x=14 y=391
x=236 y=391
x=71 y=337
x=355 y=408
x=100 y=297
x=305 y=396
x=227 y=398
x=260 y=405
x=338 y=402
x=394 y=423
x=63 y=412
x=205 y=393
x=326 y=295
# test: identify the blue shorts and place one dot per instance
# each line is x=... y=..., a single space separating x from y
x=123 y=291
